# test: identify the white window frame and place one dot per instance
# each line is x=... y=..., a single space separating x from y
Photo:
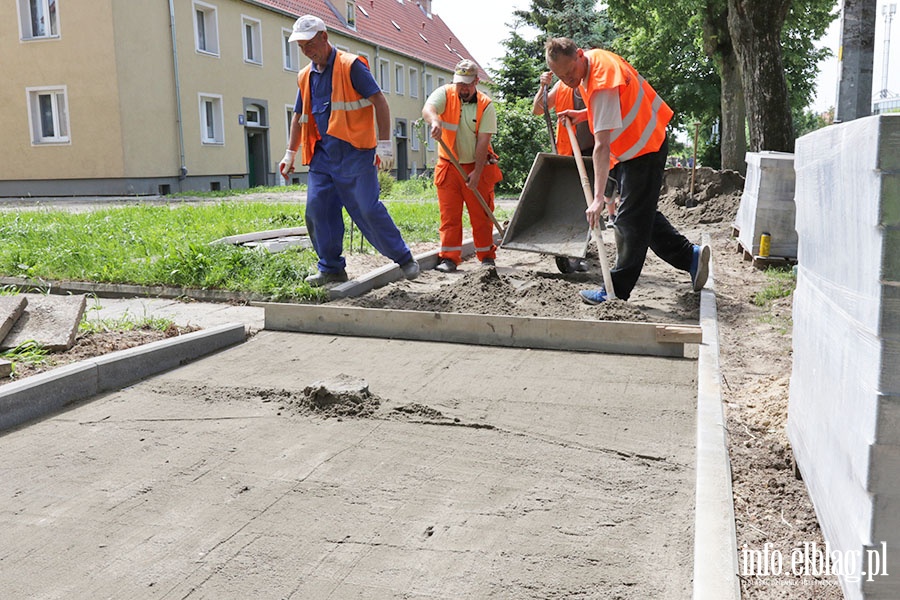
x=289 y=116
x=399 y=78
x=48 y=12
x=59 y=114
x=218 y=119
x=210 y=31
x=413 y=82
x=252 y=28
x=384 y=75
x=351 y=14
x=429 y=84
x=291 y=52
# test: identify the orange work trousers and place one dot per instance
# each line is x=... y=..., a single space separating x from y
x=452 y=195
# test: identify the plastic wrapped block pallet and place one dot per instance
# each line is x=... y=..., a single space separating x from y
x=844 y=410
x=767 y=204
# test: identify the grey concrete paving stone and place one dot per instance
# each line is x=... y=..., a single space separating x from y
x=11 y=308
x=40 y=395
x=51 y=321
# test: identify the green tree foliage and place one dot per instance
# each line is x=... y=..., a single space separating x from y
x=520 y=136
x=519 y=69
x=576 y=19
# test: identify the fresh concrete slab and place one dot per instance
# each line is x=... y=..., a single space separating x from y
x=11 y=308
x=532 y=474
x=51 y=321
x=43 y=394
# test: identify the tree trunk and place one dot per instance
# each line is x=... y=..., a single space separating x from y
x=755 y=29
x=717 y=44
x=734 y=117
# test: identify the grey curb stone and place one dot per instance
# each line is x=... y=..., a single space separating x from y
x=43 y=394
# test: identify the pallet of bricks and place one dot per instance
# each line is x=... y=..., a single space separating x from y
x=764 y=224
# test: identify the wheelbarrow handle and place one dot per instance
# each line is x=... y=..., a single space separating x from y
x=478 y=195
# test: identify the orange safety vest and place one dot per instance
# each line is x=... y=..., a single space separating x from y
x=644 y=114
x=452 y=114
x=352 y=116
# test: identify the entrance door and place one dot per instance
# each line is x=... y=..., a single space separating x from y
x=257 y=142
x=402 y=160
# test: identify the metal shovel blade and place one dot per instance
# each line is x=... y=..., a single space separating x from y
x=549 y=217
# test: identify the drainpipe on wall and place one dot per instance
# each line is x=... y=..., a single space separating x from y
x=183 y=171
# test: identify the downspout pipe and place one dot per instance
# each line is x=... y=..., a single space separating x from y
x=182 y=173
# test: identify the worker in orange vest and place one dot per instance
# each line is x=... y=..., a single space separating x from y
x=464 y=119
x=628 y=120
x=338 y=105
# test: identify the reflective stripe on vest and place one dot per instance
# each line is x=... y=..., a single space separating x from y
x=644 y=113
x=352 y=117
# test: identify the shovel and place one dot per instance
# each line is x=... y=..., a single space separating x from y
x=478 y=195
x=548 y=120
x=589 y=198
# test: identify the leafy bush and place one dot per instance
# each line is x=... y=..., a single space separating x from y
x=520 y=136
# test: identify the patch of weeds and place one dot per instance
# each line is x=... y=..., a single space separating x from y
x=28 y=353
x=125 y=322
x=781 y=282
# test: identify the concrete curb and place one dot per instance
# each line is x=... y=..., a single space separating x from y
x=42 y=394
x=715 y=541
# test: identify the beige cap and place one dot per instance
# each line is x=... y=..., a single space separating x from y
x=466 y=71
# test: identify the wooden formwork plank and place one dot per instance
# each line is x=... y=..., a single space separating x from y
x=615 y=337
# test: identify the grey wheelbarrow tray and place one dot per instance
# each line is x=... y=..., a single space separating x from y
x=549 y=217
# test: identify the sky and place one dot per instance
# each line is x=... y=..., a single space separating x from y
x=481 y=25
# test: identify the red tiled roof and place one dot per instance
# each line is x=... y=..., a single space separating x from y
x=423 y=37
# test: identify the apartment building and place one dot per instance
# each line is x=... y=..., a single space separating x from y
x=118 y=97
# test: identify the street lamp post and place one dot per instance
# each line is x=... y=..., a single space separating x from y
x=888 y=10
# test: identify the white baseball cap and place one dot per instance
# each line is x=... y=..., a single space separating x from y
x=465 y=72
x=306 y=27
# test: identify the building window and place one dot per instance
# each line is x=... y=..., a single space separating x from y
x=399 y=78
x=429 y=84
x=291 y=52
x=384 y=75
x=252 y=33
x=441 y=82
x=206 y=28
x=289 y=116
x=38 y=19
x=351 y=15
x=413 y=83
x=212 y=123
x=48 y=113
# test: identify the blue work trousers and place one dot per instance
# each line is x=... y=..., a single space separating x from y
x=327 y=193
x=639 y=224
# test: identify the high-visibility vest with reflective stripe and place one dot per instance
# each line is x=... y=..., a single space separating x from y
x=453 y=113
x=644 y=114
x=352 y=116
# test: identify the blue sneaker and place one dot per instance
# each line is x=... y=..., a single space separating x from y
x=593 y=296
x=700 y=267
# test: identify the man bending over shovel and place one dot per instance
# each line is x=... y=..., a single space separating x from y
x=628 y=120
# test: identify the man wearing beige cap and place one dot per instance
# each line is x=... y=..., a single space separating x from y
x=333 y=126
x=465 y=119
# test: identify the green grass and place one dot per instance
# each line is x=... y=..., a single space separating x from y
x=169 y=245
x=29 y=352
x=238 y=192
x=780 y=284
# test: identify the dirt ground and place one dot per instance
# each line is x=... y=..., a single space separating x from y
x=771 y=505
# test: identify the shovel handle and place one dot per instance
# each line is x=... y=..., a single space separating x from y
x=478 y=195
x=589 y=198
x=547 y=118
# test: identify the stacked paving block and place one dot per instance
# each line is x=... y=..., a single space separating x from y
x=50 y=321
x=767 y=204
x=844 y=411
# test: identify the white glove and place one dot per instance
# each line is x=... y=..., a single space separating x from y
x=384 y=154
x=286 y=166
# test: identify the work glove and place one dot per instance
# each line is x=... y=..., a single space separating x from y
x=384 y=154
x=286 y=166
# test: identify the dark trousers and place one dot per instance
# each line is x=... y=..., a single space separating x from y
x=640 y=225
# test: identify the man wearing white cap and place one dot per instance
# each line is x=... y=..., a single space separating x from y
x=333 y=126
x=465 y=119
